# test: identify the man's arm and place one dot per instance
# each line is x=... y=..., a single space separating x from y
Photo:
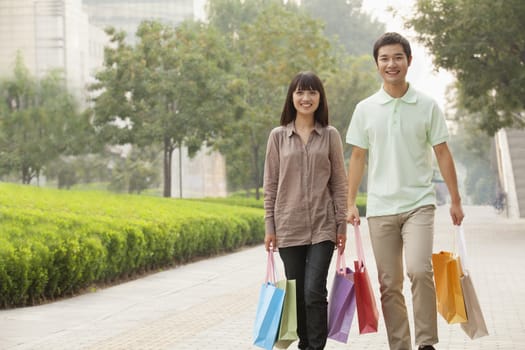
x=355 y=173
x=448 y=171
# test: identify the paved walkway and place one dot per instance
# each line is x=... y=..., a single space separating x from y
x=211 y=304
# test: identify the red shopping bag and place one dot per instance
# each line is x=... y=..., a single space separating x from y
x=367 y=313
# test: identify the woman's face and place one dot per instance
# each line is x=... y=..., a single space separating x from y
x=306 y=101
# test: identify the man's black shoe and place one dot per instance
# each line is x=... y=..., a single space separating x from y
x=426 y=347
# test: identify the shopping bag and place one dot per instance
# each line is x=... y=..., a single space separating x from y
x=449 y=294
x=367 y=313
x=475 y=326
x=288 y=327
x=341 y=302
x=269 y=309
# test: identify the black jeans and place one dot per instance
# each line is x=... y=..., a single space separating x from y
x=308 y=265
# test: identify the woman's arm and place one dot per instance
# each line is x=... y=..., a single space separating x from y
x=270 y=184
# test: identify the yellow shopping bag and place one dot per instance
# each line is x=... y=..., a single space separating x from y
x=447 y=276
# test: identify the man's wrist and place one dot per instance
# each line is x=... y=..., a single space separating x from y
x=456 y=201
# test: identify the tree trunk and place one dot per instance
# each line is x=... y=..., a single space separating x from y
x=168 y=151
x=256 y=177
x=180 y=171
x=26 y=175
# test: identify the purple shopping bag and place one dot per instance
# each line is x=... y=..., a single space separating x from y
x=341 y=303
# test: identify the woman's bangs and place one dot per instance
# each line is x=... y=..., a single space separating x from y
x=308 y=82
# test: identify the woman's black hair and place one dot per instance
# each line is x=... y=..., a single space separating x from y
x=305 y=81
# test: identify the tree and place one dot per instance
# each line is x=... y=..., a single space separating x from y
x=39 y=121
x=354 y=78
x=483 y=43
x=346 y=24
x=270 y=49
x=168 y=90
x=473 y=149
x=135 y=172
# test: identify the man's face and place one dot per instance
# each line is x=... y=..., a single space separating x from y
x=392 y=64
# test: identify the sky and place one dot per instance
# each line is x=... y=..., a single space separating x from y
x=422 y=72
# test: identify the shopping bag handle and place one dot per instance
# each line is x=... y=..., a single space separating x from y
x=462 y=249
x=340 y=263
x=270 y=268
x=359 y=245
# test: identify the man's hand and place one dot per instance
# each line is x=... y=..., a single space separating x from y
x=353 y=215
x=456 y=213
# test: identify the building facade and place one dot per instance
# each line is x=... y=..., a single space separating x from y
x=69 y=35
x=127 y=14
x=49 y=35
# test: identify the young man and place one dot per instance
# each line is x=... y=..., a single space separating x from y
x=399 y=127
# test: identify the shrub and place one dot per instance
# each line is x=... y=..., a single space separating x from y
x=55 y=243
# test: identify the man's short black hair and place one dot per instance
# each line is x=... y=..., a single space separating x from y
x=392 y=38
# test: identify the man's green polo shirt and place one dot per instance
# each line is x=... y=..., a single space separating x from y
x=399 y=134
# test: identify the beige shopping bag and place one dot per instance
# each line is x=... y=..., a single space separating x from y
x=475 y=326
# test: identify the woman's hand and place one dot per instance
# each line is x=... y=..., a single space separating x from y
x=341 y=243
x=270 y=241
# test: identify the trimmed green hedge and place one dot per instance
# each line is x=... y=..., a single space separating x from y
x=254 y=203
x=55 y=243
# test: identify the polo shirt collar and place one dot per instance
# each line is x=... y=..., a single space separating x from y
x=290 y=128
x=382 y=97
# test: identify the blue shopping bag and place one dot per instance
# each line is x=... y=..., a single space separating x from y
x=269 y=309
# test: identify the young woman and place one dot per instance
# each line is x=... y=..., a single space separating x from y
x=305 y=192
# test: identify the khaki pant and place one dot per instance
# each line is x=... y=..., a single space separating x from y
x=412 y=232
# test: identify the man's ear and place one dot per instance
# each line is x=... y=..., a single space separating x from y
x=409 y=60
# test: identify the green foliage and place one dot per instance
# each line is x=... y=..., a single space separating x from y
x=346 y=24
x=354 y=79
x=55 y=243
x=39 y=120
x=163 y=90
x=482 y=42
x=361 y=204
x=136 y=172
x=473 y=148
x=243 y=201
x=236 y=201
x=271 y=42
x=270 y=47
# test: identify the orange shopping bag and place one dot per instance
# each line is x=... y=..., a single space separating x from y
x=449 y=294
